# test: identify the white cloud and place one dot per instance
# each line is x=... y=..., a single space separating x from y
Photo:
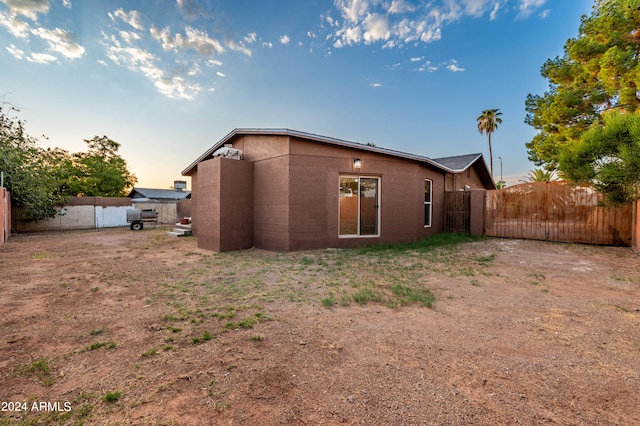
x=41 y=58
x=494 y=13
x=453 y=66
x=132 y=18
x=15 y=25
x=375 y=85
x=396 y=23
x=285 y=39
x=193 y=38
x=66 y=3
x=17 y=53
x=417 y=59
x=61 y=41
x=352 y=10
x=400 y=6
x=527 y=7
x=267 y=44
x=177 y=87
x=27 y=8
x=220 y=74
x=237 y=46
x=377 y=28
x=145 y=62
x=250 y=38
x=544 y=14
x=129 y=36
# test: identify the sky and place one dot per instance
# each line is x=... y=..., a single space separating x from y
x=167 y=79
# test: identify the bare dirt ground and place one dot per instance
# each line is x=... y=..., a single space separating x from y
x=119 y=327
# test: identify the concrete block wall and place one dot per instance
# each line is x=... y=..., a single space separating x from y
x=271 y=203
x=223 y=204
x=205 y=186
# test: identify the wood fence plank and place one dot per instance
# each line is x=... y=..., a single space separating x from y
x=556 y=211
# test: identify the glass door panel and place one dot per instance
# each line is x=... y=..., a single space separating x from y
x=348 y=206
x=368 y=206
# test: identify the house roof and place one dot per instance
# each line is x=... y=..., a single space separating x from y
x=455 y=164
x=159 y=194
x=459 y=163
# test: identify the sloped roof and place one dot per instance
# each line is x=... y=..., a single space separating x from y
x=459 y=163
x=159 y=194
x=447 y=164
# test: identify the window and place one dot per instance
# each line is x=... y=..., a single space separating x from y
x=359 y=207
x=427 y=202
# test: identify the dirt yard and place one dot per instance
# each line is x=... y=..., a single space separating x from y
x=118 y=327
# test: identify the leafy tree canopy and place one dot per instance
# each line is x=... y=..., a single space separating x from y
x=39 y=179
x=607 y=157
x=100 y=171
x=600 y=71
x=26 y=169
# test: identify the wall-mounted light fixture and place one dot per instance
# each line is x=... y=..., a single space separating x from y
x=357 y=163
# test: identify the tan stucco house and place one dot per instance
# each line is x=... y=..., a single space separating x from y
x=283 y=190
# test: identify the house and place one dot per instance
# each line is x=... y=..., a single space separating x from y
x=171 y=204
x=284 y=190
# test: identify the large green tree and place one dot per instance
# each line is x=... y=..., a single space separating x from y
x=488 y=123
x=607 y=157
x=599 y=72
x=26 y=169
x=100 y=171
x=39 y=179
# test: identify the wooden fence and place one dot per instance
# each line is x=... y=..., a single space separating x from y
x=557 y=211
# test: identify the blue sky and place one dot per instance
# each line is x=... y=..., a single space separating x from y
x=169 y=78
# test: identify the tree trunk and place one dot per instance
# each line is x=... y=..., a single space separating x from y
x=490 y=156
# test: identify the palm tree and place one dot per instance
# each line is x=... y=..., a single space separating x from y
x=487 y=124
x=540 y=175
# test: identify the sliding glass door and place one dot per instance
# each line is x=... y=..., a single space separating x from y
x=359 y=206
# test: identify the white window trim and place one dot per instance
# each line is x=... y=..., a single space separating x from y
x=430 y=203
x=357 y=235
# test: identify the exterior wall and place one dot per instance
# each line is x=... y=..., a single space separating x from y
x=236 y=204
x=315 y=170
x=194 y=201
x=270 y=189
x=223 y=204
x=469 y=178
x=295 y=195
x=206 y=205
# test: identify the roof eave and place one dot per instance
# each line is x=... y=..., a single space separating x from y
x=317 y=138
